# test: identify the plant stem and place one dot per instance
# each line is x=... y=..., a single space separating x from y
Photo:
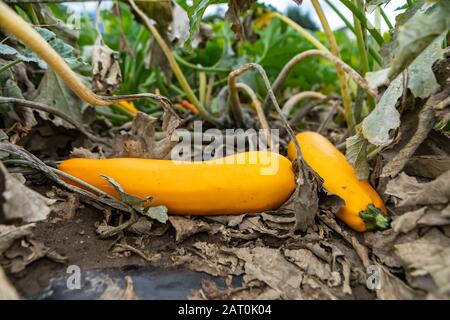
x=364 y=22
x=174 y=65
x=295 y=99
x=9 y=65
x=346 y=99
x=360 y=39
x=202 y=87
x=375 y=55
x=259 y=111
x=234 y=98
x=308 y=36
x=199 y=67
x=284 y=74
x=386 y=19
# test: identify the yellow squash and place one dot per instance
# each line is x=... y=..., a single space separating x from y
x=243 y=183
x=364 y=209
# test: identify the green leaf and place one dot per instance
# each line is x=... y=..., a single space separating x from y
x=372 y=4
x=418 y=33
x=195 y=13
x=357 y=154
x=64 y=50
x=385 y=117
x=28 y=56
x=53 y=92
x=421 y=78
x=141 y=205
x=158 y=213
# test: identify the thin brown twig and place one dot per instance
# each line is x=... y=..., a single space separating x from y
x=138 y=252
x=306 y=109
x=296 y=98
x=329 y=116
x=56 y=112
x=284 y=74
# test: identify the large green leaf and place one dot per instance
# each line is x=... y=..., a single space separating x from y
x=385 y=117
x=357 y=154
x=64 y=50
x=53 y=92
x=418 y=33
x=196 y=12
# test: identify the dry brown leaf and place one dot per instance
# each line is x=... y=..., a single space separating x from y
x=67 y=206
x=20 y=255
x=270 y=266
x=20 y=203
x=412 y=192
x=9 y=234
x=140 y=142
x=217 y=260
x=428 y=256
x=106 y=75
x=382 y=245
x=233 y=15
x=304 y=202
x=84 y=153
x=392 y=288
x=7 y=290
x=186 y=227
x=425 y=123
x=309 y=263
x=408 y=221
x=425 y=216
x=431 y=166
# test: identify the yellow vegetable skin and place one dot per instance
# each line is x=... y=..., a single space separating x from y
x=129 y=106
x=364 y=209
x=238 y=184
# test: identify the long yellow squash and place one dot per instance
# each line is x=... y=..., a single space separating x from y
x=243 y=183
x=364 y=209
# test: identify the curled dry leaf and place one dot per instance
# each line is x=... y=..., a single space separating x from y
x=20 y=203
x=271 y=267
x=428 y=256
x=9 y=234
x=67 y=206
x=425 y=123
x=382 y=245
x=141 y=142
x=411 y=192
x=25 y=252
x=310 y=264
x=106 y=75
x=303 y=203
x=186 y=227
x=84 y=153
x=428 y=166
x=392 y=288
x=233 y=15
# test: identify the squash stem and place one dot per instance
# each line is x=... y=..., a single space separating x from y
x=375 y=219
